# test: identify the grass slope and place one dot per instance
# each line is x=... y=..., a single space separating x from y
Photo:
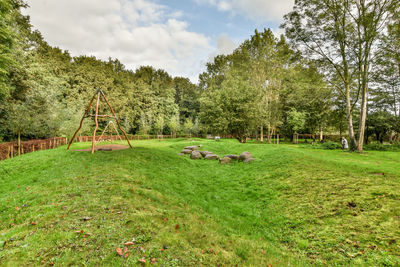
x=293 y=206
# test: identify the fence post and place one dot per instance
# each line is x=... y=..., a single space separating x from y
x=8 y=152
x=12 y=150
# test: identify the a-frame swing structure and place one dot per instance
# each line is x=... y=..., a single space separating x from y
x=110 y=126
x=99 y=93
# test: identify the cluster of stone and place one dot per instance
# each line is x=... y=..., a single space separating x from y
x=194 y=153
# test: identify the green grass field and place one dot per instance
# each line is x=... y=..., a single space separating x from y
x=293 y=206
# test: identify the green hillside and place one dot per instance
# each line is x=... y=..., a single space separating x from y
x=294 y=204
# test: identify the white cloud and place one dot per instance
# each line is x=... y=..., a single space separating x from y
x=137 y=32
x=259 y=10
x=225 y=46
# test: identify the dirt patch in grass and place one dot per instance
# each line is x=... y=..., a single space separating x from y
x=105 y=148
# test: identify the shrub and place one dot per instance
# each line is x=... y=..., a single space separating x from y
x=377 y=146
x=331 y=145
x=382 y=147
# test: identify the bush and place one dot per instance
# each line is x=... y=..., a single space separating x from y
x=382 y=147
x=330 y=145
x=377 y=146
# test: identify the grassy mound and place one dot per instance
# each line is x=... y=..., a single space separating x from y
x=293 y=205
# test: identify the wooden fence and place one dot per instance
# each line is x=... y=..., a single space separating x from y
x=10 y=150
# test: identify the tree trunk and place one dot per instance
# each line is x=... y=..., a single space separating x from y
x=269 y=133
x=262 y=134
x=363 y=117
x=349 y=116
x=321 y=135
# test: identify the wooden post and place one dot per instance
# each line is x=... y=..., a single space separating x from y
x=8 y=152
x=101 y=136
x=33 y=148
x=22 y=149
x=116 y=118
x=277 y=139
x=12 y=150
x=111 y=137
x=118 y=133
x=80 y=125
x=96 y=120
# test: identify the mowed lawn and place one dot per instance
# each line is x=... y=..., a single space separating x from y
x=294 y=205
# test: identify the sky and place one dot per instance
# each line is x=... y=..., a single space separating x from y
x=179 y=36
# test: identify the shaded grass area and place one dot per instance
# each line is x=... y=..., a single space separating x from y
x=294 y=205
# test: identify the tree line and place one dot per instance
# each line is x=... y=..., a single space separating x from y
x=336 y=69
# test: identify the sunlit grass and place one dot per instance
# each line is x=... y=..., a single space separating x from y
x=293 y=204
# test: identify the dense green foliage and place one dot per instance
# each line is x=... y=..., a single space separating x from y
x=267 y=86
x=294 y=204
x=47 y=90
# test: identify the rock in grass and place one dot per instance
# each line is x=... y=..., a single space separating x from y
x=248 y=160
x=225 y=160
x=245 y=155
x=204 y=153
x=195 y=155
x=193 y=147
x=186 y=151
x=211 y=157
x=232 y=156
x=181 y=154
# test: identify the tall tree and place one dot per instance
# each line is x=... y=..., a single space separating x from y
x=343 y=35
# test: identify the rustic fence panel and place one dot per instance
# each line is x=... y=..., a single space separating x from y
x=10 y=149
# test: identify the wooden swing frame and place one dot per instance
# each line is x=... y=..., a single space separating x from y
x=99 y=93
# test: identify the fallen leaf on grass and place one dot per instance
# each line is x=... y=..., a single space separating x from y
x=177 y=227
x=142 y=260
x=123 y=254
x=119 y=252
x=165 y=219
x=79 y=232
x=17 y=208
x=34 y=223
x=86 y=219
x=128 y=243
x=153 y=260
